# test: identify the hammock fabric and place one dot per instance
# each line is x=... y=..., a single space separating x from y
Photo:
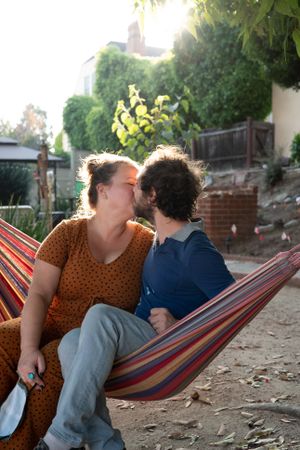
x=169 y=362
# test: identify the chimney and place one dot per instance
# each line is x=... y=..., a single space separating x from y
x=135 y=42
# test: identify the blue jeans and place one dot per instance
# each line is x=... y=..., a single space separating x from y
x=87 y=355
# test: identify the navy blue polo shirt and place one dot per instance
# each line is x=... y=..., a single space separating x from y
x=182 y=273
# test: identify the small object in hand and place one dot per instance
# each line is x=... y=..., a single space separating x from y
x=31 y=376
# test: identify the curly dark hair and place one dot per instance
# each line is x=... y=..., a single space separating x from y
x=176 y=180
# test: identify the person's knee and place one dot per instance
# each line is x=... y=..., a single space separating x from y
x=100 y=314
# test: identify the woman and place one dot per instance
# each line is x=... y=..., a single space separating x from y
x=84 y=261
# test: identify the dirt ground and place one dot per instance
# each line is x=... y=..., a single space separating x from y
x=261 y=364
x=276 y=206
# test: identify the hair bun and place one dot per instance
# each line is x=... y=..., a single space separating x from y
x=91 y=164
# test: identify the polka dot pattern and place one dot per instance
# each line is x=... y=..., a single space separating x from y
x=83 y=282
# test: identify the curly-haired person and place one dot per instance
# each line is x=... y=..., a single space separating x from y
x=182 y=271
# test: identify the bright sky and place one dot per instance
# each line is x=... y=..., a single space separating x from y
x=43 y=44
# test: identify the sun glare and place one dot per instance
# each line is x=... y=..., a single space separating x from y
x=162 y=25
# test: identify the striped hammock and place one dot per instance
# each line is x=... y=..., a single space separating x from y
x=169 y=362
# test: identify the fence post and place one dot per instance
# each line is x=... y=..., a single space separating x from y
x=194 y=149
x=249 y=150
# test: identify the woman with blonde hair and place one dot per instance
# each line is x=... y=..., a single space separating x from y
x=95 y=257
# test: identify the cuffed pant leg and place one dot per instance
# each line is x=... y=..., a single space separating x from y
x=107 y=333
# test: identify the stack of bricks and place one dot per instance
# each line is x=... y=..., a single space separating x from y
x=222 y=208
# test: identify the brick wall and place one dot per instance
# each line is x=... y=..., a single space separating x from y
x=221 y=208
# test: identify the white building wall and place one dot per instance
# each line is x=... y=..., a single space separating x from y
x=286 y=117
x=86 y=78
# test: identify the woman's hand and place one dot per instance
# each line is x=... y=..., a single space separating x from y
x=31 y=367
x=161 y=319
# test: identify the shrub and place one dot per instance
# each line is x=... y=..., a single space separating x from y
x=15 y=181
x=295 y=149
x=74 y=115
x=27 y=222
x=274 y=173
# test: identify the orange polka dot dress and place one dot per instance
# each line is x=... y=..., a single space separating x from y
x=83 y=283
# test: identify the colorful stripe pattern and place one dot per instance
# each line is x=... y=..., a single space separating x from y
x=17 y=252
x=168 y=363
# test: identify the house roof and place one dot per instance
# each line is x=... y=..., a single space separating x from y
x=10 y=151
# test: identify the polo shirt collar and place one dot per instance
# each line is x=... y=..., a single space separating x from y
x=184 y=232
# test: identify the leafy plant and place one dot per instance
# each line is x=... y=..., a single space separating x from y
x=74 y=117
x=274 y=173
x=295 y=149
x=15 y=181
x=140 y=129
x=225 y=85
x=264 y=18
x=28 y=221
x=98 y=124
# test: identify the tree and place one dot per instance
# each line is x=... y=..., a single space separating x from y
x=74 y=118
x=32 y=128
x=114 y=72
x=58 y=149
x=99 y=130
x=226 y=86
x=282 y=68
x=6 y=129
x=262 y=17
x=140 y=129
x=163 y=79
x=274 y=22
x=15 y=181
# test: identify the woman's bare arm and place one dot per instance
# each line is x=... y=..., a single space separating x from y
x=42 y=289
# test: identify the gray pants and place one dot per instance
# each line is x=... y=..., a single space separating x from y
x=87 y=355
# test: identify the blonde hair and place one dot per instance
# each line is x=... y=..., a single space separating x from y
x=95 y=169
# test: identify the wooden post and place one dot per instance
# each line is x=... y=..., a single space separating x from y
x=194 y=149
x=46 y=201
x=249 y=149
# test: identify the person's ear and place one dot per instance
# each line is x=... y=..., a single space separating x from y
x=152 y=197
x=101 y=190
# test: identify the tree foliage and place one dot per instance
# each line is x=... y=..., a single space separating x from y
x=140 y=129
x=163 y=79
x=99 y=130
x=74 y=118
x=115 y=71
x=295 y=149
x=274 y=23
x=282 y=68
x=225 y=84
x=15 y=181
x=31 y=130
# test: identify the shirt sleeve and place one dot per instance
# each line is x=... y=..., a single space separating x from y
x=55 y=248
x=207 y=268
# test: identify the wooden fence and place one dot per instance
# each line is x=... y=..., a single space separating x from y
x=241 y=146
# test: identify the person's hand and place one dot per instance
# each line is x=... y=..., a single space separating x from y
x=31 y=366
x=161 y=319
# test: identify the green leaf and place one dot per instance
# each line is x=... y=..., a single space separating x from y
x=124 y=116
x=296 y=37
x=131 y=143
x=141 y=110
x=133 y=101
x=293 y=3
x=191 y=26
x=114 y=127
x=265 y=7
x=128 y=121
x=284 y=8
x=133 y=129
x=185 y=105
x=144 y=123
